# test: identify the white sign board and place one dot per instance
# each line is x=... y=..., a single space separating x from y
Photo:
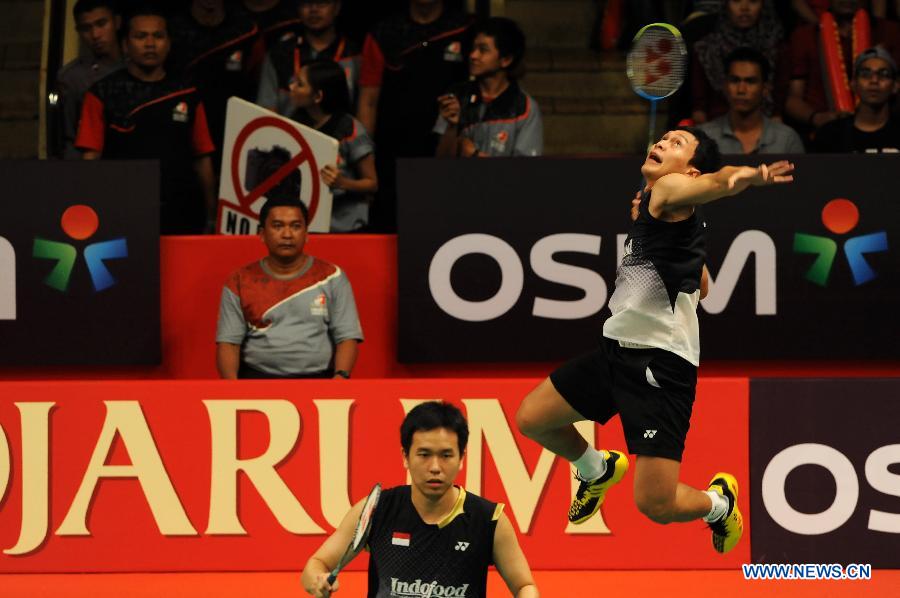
x=264 y=155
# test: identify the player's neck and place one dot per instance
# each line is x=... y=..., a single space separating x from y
x=208 y=17
x=745 y=122
x=493 y=85
x=320 y=40
x=434 y=511
x=317 y=116
x=871 y=118
x=286 y=267
x=259 y=5
x=423 y=15
x=113 y=56
x=146 y=75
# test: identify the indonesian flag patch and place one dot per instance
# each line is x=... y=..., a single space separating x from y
x=400 y=539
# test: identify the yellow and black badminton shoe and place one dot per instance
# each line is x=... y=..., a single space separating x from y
x=728 y=529
x=591 y=493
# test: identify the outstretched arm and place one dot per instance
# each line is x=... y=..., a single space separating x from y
x=674 y=191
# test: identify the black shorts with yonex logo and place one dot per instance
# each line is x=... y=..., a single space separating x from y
x=652 y=390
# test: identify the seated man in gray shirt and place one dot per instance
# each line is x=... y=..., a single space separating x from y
x=745 y=129
x=288 y=315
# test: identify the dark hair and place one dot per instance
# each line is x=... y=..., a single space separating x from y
x=142 y=9
x=707 y=157
x=328 y=77
x=508 y=38
x=83 y=6
x=282 y=202
x=745 y=54
x=432 y=415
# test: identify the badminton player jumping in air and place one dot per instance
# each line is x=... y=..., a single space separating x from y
x=646 y=367
x=431 y=538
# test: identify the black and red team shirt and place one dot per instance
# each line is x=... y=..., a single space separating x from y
x=216 y=60
x=125 y=118
x=290 y=54
x=411 y=558
x=413 y=64
x=277 y=23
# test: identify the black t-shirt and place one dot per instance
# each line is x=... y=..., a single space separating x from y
x=215 y=59
x=409 y=556
x=413 y=64
x=841 y=136
x=279 y=22
x=289 y=54
x=125 y=118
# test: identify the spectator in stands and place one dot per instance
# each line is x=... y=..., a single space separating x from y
x=741 y=23
x=141 y=113
x=745 y=129
x=288 y=315
x=872 y=128
x=210 y=48
x=97 y=24
x=807 y=103
x=491 y=115
x=316 y=39
x=274 y=20
x=409 y=60
x=319 y=91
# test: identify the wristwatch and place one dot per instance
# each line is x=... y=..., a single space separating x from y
x=342 y=374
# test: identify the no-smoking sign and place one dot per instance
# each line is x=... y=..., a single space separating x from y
x=266 y=155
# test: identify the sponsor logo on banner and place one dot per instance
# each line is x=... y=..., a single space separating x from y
x=840 y=216
x=491 y=278
x=80 y=222
x=78 y=265
x=235 y=483
x=823 y=470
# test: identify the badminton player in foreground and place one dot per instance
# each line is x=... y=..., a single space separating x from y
x=646 y=367
x=431 y=538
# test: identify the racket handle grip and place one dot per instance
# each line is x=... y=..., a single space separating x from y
x=331 y=578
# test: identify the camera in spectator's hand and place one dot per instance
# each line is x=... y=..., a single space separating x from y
x=262 y=164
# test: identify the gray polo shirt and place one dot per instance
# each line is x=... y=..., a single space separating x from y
x=288 y=326
x=509 y=125
x=776 y=138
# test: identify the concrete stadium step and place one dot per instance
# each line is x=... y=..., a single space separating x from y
x=20 y=55
x=554 y=23
x=587 y=102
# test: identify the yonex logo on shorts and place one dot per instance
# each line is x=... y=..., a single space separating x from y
x=461 y=546
x=649 y=433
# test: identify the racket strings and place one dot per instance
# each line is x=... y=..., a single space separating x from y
x=657 y=63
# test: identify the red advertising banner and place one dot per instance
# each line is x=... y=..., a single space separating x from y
x=250 y=476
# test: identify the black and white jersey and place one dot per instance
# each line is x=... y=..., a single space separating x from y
x=414 y=559
x=658 y=285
